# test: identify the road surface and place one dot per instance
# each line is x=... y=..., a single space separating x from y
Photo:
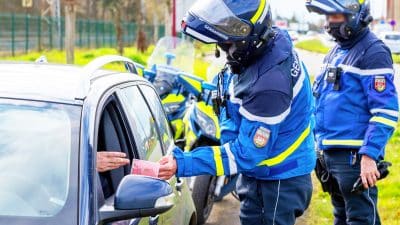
x=226 y=212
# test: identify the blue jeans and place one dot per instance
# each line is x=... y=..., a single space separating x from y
x=277 y=202
x=350 y=209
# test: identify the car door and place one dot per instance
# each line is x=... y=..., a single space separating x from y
x=178 y=214
x=112 y=135
x=153 y=139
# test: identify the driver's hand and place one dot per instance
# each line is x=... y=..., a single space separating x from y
x=107 y=161
x=168 y=167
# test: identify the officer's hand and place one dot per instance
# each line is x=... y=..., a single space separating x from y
x=168 y=167
x=107 y=161
x=369 y=171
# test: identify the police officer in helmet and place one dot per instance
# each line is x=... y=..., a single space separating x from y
x=265 y=115
x=356 y=108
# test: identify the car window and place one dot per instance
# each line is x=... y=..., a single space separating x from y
x=113 y=137
x=36 y=145
x=142 y=123
x=158 y=111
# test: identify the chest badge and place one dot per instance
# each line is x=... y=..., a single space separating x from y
x=380 y=84
x=261 y=137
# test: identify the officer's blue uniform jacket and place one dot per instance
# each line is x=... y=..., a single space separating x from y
x=267 y=124
x=363 y=112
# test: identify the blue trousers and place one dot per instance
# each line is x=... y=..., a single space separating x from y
x=277 y=202
x=350 y=209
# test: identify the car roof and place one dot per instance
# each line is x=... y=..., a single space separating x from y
x=50 y=82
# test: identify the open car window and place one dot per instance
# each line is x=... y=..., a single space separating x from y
x=113 y=137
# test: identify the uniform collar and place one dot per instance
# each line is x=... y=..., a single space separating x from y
x=279 y=49
x=347 y=44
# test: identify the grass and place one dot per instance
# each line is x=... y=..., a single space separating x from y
x=396 y=58
x=84 y=56
x=320 y=211
x=315 y=45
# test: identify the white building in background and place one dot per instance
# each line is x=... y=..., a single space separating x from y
x=378 y=9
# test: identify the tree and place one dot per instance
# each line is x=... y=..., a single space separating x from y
x=294 y=19
x=141 y=36
x=70 y=18
x=116 y=7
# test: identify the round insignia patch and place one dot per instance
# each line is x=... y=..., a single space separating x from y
x=261 y=137
x=380 y=84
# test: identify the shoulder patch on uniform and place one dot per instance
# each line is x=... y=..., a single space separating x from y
x=261 y=137
x=380 y=83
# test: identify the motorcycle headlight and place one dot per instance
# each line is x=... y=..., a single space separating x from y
x=206 y=124
x=171 y=108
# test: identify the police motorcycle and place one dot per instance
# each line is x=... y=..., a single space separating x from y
x=170 y=57
x=202 y=129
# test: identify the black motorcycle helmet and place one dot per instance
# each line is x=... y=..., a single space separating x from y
x=241 y=28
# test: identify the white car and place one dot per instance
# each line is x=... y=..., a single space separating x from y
x=392 y=40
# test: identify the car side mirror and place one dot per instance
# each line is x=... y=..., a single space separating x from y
x=138 y=196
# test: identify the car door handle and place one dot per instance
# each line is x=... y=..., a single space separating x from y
x=179 y=184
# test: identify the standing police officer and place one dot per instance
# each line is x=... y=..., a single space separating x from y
x=356 y=107
x=266 y=110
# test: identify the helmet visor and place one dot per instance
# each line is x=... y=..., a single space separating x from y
x=218 y=14
x=351 y=5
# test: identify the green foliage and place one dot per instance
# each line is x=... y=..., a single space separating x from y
x=396 y=58
x=84 y=56
x=313 y=45
x=204 y=49
x=200 y=68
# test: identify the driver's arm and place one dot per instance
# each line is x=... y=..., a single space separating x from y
x=107 y=161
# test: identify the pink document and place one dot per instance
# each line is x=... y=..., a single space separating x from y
x=145 y=168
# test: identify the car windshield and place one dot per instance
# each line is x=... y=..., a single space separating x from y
x=393 y=37
x=36 y=144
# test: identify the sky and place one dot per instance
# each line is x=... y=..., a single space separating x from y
x=286 y=8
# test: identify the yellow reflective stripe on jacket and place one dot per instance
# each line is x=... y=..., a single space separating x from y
x=343 y=142
x=219 y=166
x=259 y=11
x=281 y=157
x=385 y=121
